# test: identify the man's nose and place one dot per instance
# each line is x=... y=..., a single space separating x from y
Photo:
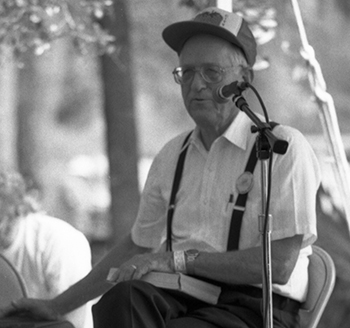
x=198 y=80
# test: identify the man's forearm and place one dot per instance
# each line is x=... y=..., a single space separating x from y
x=244 y=267
x=82 y=292
x=95 y=283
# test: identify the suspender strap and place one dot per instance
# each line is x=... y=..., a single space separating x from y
x=175 y=188
x=239 y=208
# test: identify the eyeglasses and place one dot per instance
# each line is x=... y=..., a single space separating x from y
x=209 y=73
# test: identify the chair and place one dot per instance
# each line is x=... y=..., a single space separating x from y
x=12 y=287
x=321 y=283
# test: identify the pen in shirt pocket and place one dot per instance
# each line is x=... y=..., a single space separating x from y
x=230 y=202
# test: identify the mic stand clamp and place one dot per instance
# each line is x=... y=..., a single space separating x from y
x=278 y=146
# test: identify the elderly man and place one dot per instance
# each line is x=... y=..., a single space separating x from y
x=214 y=49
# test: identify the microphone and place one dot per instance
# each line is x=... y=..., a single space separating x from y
x=223 y=94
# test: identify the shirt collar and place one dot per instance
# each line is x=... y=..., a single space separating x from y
x=239 y=132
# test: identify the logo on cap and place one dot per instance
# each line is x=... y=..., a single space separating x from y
x=213 y=18
x=223 y=24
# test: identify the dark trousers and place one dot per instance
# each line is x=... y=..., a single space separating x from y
x=136 y=304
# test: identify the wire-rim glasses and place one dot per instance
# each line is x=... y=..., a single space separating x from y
x=209 y=73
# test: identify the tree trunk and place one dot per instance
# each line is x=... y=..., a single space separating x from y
x=39 y=96
x=120 y=120
x=8 y=77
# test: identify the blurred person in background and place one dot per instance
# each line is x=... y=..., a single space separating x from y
x=48 y=253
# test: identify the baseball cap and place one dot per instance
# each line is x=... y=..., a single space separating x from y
x=218 y=22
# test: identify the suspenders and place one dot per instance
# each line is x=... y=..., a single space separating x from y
x=176 y=184
x=238 y=210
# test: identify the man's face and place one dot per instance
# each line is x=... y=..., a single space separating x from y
x=198 y=94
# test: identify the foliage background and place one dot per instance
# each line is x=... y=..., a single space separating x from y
x=52 y=114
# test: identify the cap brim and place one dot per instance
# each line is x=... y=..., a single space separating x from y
x=177 y=34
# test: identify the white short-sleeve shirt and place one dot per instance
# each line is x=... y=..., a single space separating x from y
x=51 y=255
x=209 y=184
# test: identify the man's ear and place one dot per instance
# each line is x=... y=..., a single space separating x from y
x=248 y=74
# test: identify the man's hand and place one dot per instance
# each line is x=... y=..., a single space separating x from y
x=44 y=309
x=139 y=265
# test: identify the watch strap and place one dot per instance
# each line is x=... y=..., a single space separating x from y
x=190 y=257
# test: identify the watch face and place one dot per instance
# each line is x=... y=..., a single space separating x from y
x=191 y=254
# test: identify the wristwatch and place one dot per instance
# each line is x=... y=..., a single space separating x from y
x=190 y=256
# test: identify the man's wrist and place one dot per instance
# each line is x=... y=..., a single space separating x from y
x=190 y=257
x=179 y=261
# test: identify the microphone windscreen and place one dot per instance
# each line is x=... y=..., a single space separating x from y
x=218 y=97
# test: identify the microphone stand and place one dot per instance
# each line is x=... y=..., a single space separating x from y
x=266 y=143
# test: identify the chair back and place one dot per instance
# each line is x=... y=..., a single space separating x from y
x=321 y=284
x=12 y=286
